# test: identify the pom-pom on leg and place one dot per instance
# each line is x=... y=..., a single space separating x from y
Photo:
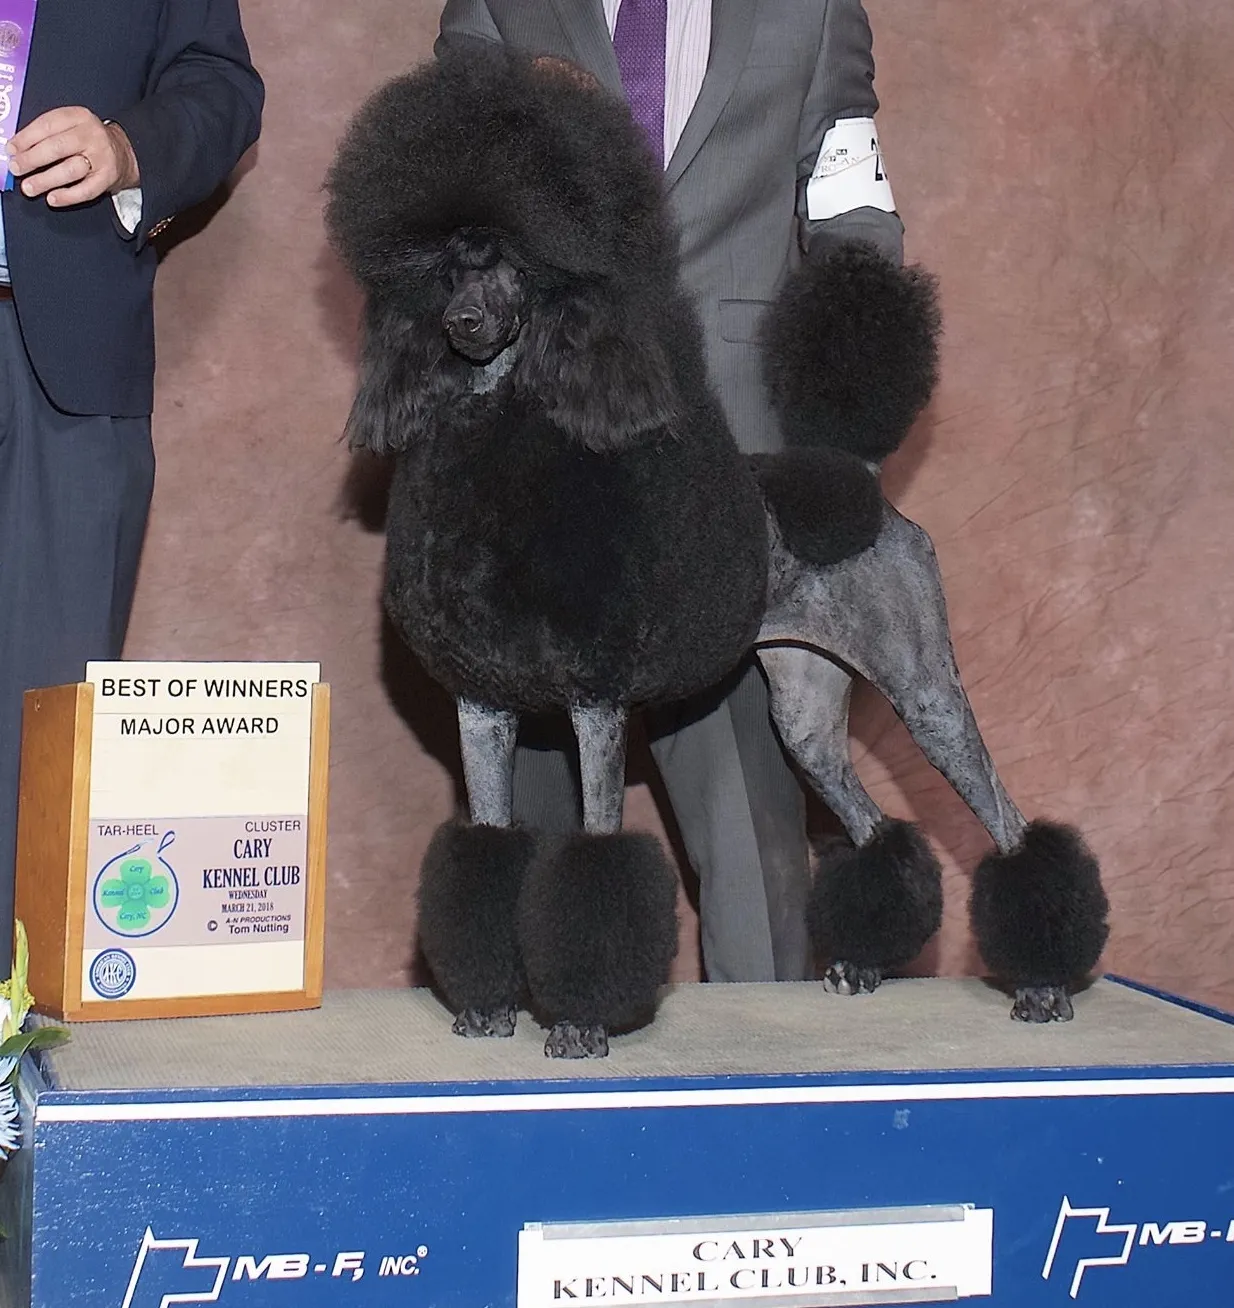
x=873 y=908
x=1039 y=916
x=469 y=888
x=597 y=924
x=850 y=350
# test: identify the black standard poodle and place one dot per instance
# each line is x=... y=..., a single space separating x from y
x=571 y=527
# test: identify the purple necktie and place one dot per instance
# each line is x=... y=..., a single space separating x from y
x=639 y=40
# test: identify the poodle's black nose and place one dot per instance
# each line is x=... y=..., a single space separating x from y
x=466 y=320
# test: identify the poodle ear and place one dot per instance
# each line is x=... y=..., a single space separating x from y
x=405 y=377
x=600 y=374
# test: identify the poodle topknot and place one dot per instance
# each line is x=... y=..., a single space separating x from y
x=496 y=141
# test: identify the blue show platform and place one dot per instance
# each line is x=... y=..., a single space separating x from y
x=766 y=1145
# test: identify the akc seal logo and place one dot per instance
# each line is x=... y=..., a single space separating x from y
x=136 y=893
x=10 y=37
x=112 y=974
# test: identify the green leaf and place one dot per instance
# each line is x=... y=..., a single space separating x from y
x=132 y=917
x=135 y=871
x=158 y=892
x=43 y=1037
x=21 y=954
x=14 y=989
x=113 y=894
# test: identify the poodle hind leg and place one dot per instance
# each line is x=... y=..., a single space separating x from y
x=876 y=903
x=470 y=881
x=597 y=915
x=1038 y=909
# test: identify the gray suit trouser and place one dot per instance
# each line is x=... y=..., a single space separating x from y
x=74 y=495
x=738 y=807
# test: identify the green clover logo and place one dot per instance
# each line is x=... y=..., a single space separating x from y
x=134 y=894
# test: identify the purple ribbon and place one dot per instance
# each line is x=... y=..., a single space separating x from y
x=16 y=28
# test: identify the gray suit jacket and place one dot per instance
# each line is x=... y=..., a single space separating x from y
x=781 y=72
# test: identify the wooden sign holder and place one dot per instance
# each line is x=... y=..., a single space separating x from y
x=52 y=872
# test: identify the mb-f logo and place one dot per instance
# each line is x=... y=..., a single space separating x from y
x=170 y=1272
x=1117 y=1241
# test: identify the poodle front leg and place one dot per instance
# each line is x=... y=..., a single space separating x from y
x=470 y=883
x=486 y=741
x=601 y=733
x=875 y=904
x=597 y=917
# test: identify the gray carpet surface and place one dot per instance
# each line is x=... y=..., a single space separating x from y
x=360 y=1037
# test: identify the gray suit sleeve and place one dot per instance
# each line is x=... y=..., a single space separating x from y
x=464 y=22
x=843 y=87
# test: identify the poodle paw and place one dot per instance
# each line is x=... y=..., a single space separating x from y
x=568 y=1040
x=849 y=979
x=474 y=1022
x=1042 y=1004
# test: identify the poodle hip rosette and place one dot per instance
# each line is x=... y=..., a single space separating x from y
x=571 y=527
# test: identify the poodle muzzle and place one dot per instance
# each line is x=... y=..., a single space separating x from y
x=484 y=315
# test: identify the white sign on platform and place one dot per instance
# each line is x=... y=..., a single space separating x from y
x=198 y=831
x=873 y=1256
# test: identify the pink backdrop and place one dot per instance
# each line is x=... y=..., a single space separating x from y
x=1064 y=167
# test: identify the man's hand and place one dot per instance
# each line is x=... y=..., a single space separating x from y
x=72 y=157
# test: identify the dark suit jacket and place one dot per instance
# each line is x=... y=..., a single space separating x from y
x=176 y=75
x=781 y=72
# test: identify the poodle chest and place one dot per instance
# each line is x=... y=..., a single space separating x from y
x=528 y=572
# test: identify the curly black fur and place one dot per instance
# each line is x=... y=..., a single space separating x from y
x=876 y=906
x=1039 y=914
x=562 y=176
x=825 y=502
x=530 y=573
x=587 y=530
x=850 y=350
x=469 y=886
x=598 y=927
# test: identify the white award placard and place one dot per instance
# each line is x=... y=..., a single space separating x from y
x=194 y=795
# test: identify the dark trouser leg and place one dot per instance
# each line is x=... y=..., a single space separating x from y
x=874 y=905
x=547 y=794
x=741 y=813
x=74 y=495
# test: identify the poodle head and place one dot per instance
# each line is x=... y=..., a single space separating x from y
x=490 y=204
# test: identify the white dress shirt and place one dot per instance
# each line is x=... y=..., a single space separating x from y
x=687 y=49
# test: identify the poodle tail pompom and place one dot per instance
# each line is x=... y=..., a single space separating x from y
x=1039 y=913
x=850 y=349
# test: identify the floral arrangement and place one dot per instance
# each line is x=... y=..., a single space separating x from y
x=15 y=1004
